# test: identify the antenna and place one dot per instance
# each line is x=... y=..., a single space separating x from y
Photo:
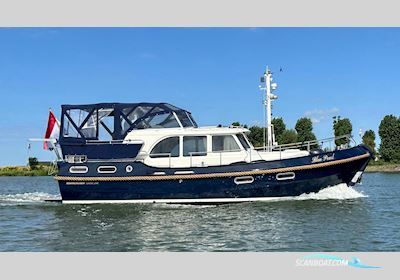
x=269 y=87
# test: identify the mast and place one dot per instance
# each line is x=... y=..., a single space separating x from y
x=269 y=87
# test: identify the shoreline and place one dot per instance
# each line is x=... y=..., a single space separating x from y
x=26 y=171
x=383 y=168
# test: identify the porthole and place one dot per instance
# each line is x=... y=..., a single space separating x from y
x=107 y=169
x=285 y=176
x=184 y=172
x=244 y=180
x=78 y=169
x=129 y=168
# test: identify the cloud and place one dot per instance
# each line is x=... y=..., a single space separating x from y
x=319 y=115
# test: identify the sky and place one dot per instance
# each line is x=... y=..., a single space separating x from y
x=212 y=72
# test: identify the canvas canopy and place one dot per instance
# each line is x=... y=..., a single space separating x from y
x=113 y=121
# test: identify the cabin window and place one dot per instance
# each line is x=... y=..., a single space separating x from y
x=244 y=180
x=83 y=120
x=224 y=143
x=243 y=141
x=129 y=168
x=130 y=115
x=142 y=117
x=191 y=119
x=184 y=118
x=285 y=176
x=105 y=118
x=107 y=169
x=166 y=148
x=69 y=130
x=78 y=169
x=194 y=145
x=162 y=120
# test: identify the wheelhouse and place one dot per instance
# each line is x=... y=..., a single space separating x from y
x=86 y=129
x=113 y=121
x=203 y=146
x=198 y=145
x=157 y=134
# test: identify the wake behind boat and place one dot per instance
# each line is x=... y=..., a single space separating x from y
x=156 y=152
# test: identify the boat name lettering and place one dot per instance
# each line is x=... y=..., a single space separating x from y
x=323 y=158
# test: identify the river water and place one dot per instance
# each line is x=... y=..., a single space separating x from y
x=366 y=218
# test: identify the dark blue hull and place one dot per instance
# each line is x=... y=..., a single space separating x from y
x=237 y=182
x=101 y=150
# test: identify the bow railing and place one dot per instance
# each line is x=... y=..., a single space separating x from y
x=326 y=144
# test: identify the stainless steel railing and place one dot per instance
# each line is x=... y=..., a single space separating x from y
x=193 y=155
x=220 y=153
x=315 y=143
x=158 y=155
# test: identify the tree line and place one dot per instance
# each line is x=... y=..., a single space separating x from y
x=302 y=132
x=389 y=133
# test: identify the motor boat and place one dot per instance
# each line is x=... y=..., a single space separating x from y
x=156 y=152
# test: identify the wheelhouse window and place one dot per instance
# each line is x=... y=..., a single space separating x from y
x=185 y=119
x=80 y=123
x=243 y=141
x=161 y=120
x=166 y=148
x=194 y=145
x=224 y=143
x=105 y=118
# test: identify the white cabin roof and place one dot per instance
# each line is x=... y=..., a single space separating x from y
x=177 y=131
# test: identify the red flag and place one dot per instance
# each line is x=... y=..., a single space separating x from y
x=53 y=129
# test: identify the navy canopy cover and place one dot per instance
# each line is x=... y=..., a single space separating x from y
x=80 y=123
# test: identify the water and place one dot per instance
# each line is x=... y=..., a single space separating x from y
x=366 y=218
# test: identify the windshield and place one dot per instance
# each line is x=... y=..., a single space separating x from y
x=186 y=119
x=243 y=141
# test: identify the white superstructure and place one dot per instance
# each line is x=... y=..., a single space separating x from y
x=201 y=147
x=192 y=146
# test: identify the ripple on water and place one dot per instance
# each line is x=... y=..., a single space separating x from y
x=26 y=198
x=337 y=218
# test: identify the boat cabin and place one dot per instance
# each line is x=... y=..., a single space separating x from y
x=98 y=131
x=193 y=147
x=157 y=134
